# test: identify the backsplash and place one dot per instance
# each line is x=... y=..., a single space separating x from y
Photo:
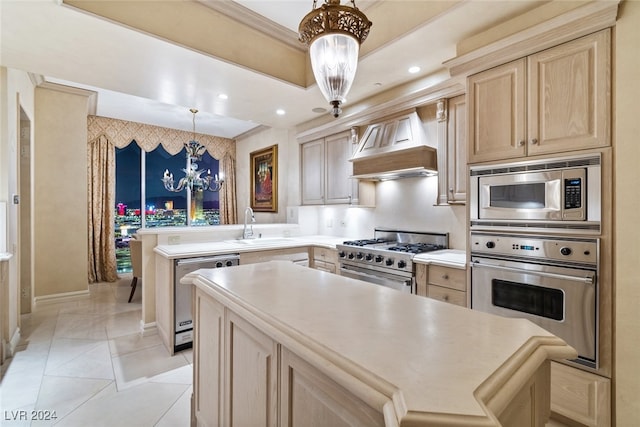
x=405 y=204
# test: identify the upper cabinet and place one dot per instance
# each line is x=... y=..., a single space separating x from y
x=556 y=100
x=452 y=150
x=327 y=172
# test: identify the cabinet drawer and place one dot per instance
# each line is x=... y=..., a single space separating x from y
x=324 y=254
x=324 y=266
x=447 y=295
x=453 y=278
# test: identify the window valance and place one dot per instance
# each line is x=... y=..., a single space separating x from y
x=122 y=132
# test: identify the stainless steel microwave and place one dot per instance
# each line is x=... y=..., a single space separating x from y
x=561 y=193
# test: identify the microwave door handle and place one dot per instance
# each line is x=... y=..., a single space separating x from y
x=587 y=280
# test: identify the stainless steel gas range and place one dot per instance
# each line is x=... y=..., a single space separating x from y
x=387 y=258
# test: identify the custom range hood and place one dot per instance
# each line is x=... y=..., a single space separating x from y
x=394 y=148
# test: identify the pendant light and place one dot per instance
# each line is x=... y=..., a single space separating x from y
x=334 y=33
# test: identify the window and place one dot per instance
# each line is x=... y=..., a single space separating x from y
x=148 y=204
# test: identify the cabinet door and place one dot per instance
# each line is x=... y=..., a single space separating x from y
x=580 y=396
x=569 y=96
x=496 y=113
x=312 y=159
x=457 y=150
x=338 y=150
x=208 y=352
x=312 y=399
x=251 y=375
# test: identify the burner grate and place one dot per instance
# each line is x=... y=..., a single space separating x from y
x=365 y=242
x=416 y=248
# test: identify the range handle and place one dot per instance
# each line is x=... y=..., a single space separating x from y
x=587 y=280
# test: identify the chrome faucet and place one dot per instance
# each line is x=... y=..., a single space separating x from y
x=248 y=233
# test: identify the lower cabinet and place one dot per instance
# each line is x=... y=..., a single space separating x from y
x=208 y=357
x=310 y=398
x=579 y=397
x=446 y=284
x=251 y=375
x=325 y=259
x=242 y=377
x=296 y=255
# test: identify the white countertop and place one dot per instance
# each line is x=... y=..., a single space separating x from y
x=448 y=258
x=188 y=250
x=428 y=357
x=5 y=256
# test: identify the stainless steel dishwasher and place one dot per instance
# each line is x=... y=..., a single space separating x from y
x=183 y=313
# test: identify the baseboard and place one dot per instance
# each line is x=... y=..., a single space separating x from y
x=148 y=329
x=13 y=343
x=66 y=296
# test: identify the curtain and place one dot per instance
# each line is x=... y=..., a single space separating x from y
x=228 y=208
x=104 y=135
x=101 y=200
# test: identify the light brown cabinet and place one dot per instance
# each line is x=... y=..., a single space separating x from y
x=580 y=396
x=325 y=259
x=310 y=398
x=556 y=100
x=452 y=152
x=298 y=255
x=326 y=171
x=442 y=283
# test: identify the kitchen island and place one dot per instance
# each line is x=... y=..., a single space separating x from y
x=280 y=344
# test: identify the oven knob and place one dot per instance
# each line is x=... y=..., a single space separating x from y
x=490 y=244
x=389 y=261
x=379 y=258
x=229 y=263
x=341 y=254
x=350 y=255
x=369 y=257
x=219 y=264
x=359 y=255
x=565 y=251
x=402 y=264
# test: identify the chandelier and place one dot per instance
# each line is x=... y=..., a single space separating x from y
x=334 y=33
x=193 y=179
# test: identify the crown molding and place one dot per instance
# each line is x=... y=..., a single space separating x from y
x=258 y=22
x=92 y=96
x=592 y=17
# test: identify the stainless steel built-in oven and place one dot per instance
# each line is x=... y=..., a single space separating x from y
x=561 y=193
x=551 y=281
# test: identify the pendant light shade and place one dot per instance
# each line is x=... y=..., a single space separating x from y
x=334 y=33
x=334 y=59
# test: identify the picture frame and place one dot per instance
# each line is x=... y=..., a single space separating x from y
x=264 y=179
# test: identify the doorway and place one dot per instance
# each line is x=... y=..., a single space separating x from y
x=24 y=213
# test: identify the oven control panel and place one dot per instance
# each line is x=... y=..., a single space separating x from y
x=543 y=247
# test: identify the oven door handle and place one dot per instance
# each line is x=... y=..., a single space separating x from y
x=587 y=280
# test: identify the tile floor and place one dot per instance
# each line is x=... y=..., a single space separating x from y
x=87 y=361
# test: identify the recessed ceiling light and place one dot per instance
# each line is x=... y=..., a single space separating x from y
x=223 y=96
x=414 y=69
x=377 y=84
x=319 y=110
x=280 y=112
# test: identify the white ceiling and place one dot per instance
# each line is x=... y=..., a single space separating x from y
x=148 y=80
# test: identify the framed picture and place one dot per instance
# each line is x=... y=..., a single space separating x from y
x=264 y=179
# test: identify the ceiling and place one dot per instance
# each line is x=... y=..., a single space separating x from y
x=151 y=78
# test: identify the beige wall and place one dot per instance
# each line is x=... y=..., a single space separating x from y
x=627 y=205
x=288 y=164
x=60 y=193
x=16 y=92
